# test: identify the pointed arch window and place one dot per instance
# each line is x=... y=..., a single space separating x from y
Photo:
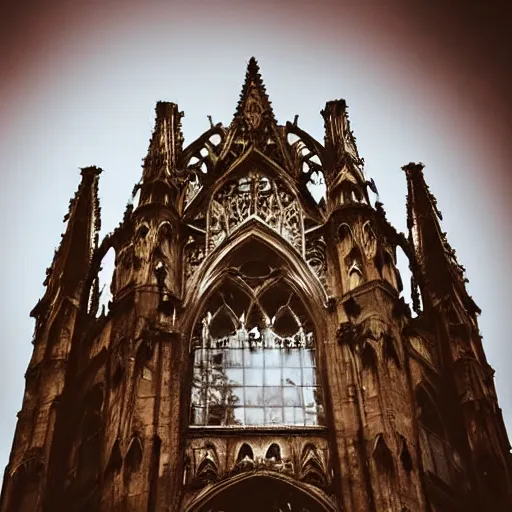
x=438 y=456
x=255 y=358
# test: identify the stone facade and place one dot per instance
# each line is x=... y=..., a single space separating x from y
x=257 y=353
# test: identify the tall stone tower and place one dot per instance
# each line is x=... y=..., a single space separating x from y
x=257 y=354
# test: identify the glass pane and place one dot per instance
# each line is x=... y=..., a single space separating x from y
x=235 y=376
x=292 y=377
x=253 y=396
x=215 y=395
x=273 y=396
x=289 y=418
x=217 y=358
x=273 y=358
x=292 y=396
x=273 y=415
x=298 y=415
x=253 y=358
x=238 y=416
x=197 y=395
x=199 y=375
x=235 y=358
x=217 y=414
x=291 y=357
x=198 y=357
x=271 y=383
x=308 y=376
x=230 y=416
x=254 y=377
x=217 y=378
x=309 y=396
x=254 y=416
x=311 y=418
x=237 y=394
x=197 y=415
x=308 y=358
x=272 y=376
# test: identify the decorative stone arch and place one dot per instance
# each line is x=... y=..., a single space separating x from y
x=302 y=279
x=250 y=159
x=254 y=186
x=90 y=293
x=292 y=319
x=262 y=491
x=346 y=237
x=370 y=371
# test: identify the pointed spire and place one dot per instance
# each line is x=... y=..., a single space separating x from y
x=254 y=125
x=440 y=274
x=254 y=109
x=161 y=176
x=343 y=163
x=71 y=261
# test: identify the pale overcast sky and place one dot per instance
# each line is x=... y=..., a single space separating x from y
x=79 y=83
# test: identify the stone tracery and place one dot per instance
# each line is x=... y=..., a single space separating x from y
x=254 y=358
x=254 y=195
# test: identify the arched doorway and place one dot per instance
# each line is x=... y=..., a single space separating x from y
x=262 y=493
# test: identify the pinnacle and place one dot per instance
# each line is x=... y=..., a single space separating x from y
x=253 y=91
x=253 y=65
x=91 y=170
x=413 y=167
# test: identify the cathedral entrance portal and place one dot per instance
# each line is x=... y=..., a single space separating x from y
x=262 y=494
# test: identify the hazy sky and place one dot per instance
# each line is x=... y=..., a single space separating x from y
x=79 y=82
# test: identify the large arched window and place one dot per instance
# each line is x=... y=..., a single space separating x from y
x=254 y=354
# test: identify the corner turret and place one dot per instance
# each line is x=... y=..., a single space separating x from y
x=343 y=167
x=161 y=178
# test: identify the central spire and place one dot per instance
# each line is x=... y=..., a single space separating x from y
x=254 y=107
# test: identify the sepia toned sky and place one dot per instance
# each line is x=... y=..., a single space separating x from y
x=79 y=82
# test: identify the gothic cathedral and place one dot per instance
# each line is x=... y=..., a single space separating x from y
x=257 y=353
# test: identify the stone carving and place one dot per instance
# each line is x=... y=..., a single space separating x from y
x=254 y=195
x=422 y=348
x=253 y=108
x=199 y=159
x=307 y=155
x=246 y=461
x=369 y=240
x=208 y=468
x=349 y=141
x=312 y=468
x=354 y=266
x=316 y=258
x=361 y=236
x=193 y=188
x=194 y=256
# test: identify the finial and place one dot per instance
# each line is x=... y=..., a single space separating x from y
x=413 y=167
x=91 y=170
x=253 y=64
